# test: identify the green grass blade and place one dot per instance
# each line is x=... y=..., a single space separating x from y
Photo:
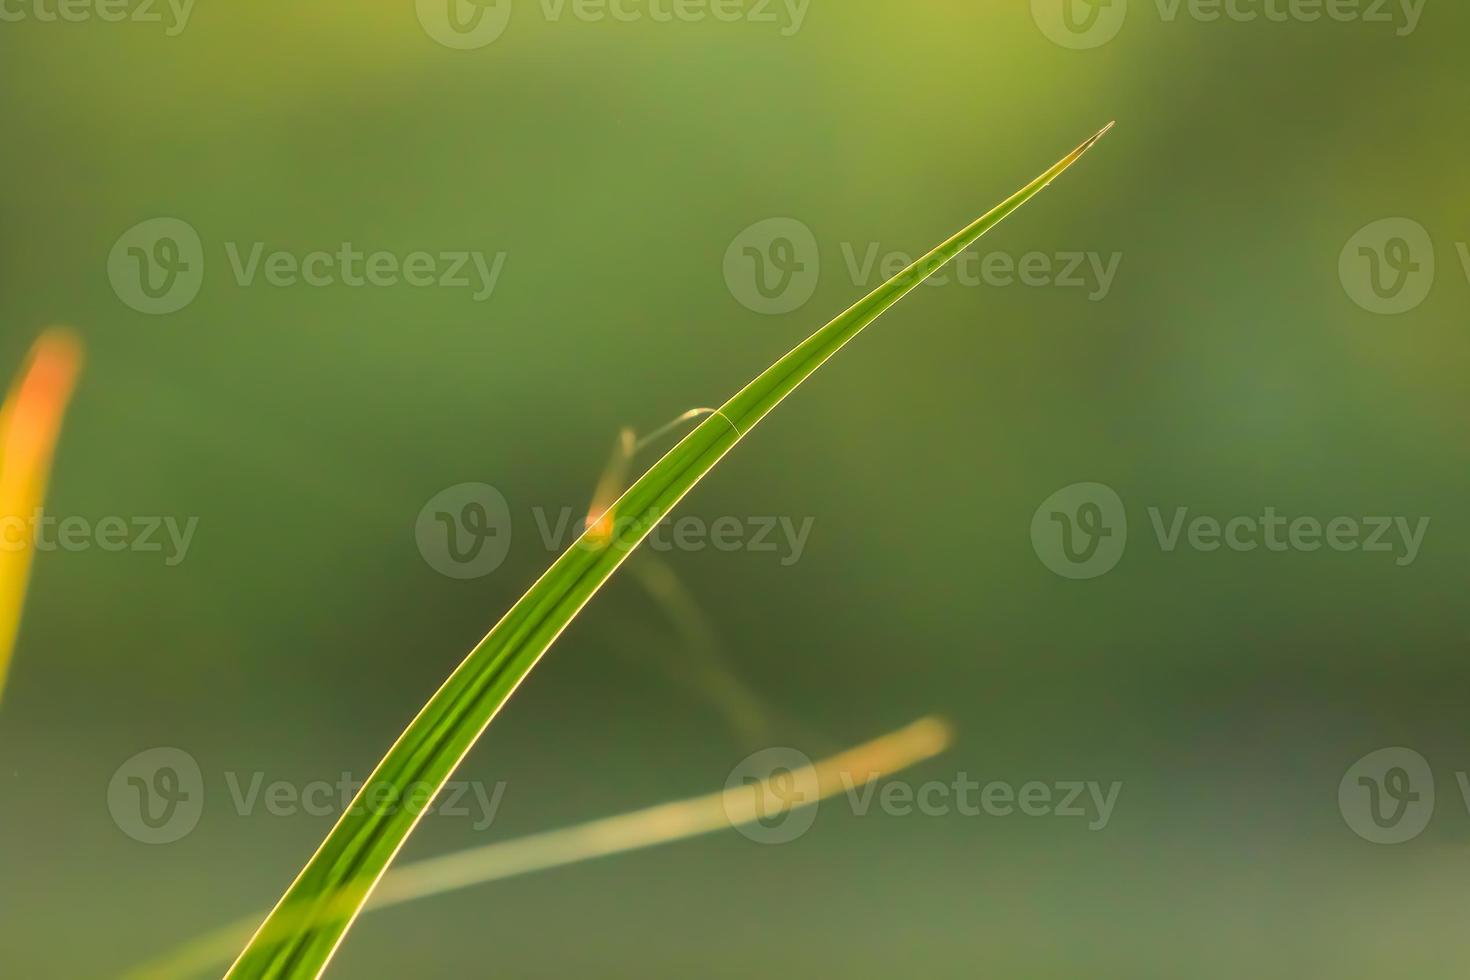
x=299 y=936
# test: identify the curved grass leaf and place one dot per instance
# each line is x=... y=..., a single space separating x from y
x=303 y=931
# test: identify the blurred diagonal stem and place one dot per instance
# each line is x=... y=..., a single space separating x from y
x=698 y=662
x=666 y=823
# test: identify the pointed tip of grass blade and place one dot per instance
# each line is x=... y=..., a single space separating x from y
x=1087 y=144
x=751 y=403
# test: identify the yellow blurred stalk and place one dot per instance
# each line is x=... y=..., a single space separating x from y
x=30 y=423
x=735 y=807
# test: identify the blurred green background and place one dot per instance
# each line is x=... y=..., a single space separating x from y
x=1227 y=369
